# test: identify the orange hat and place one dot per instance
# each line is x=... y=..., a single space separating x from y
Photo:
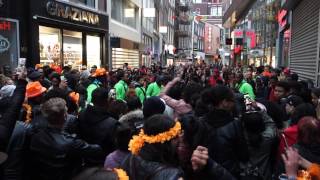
x=34 y=89
x=38 y=66
x=99 y=72
x=74 y=97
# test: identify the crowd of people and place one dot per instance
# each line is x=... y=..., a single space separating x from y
x=195 y=121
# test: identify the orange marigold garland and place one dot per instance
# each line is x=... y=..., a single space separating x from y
x=314 y=170
x=122 y=175
x=28 y=109
x=137 y=142
x=303 y=175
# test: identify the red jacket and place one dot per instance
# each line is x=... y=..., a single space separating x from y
x=291 y=135
x=213 y=80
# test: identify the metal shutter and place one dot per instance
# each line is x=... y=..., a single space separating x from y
x=304 y=42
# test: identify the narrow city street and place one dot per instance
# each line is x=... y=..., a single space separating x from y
x=159 y=89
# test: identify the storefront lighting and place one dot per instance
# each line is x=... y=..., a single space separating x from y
x=149 y=12
x=129 y=13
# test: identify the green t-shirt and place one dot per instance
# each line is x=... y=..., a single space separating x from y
x=153 y=90
x=141 y=94
x=121 y=90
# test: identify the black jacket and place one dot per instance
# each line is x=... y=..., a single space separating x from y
x=55 y=155
x=8 y=120
x=18 y=147
x=139 y=169
x=15 y=166
x=214 y=170
x=96 y=126
x=225 y=141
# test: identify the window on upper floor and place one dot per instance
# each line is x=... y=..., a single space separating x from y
x=125 y=12
x=216 y=11
x=100 y=5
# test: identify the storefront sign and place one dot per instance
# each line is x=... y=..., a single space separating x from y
x=4 y=44
x=9 y=42
x=5 y=26
x=72 y=13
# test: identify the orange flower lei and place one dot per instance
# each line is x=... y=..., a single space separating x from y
x=122 y=175
x=28 y=109
x=303 y=175
x=137 y=142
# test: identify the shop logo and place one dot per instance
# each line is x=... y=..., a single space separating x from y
x=4 y=44
x=72 y=13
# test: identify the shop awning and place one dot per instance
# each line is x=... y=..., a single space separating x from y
x=237 y=10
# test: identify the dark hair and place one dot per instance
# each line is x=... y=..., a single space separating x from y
x=309 y=130
x=120 y=75
x=216 y=95
x=56 y=76
x=192 y=89
x=47 y=71
x=96 y=173
x=100 y=97
x=122 y=136
x=295 y=87
x=284 y=84
x=294 y=77
x=274 y=77
x=316 y=91
x=200 y=108
x=159 y=152
x=133 y=103
x=175 y=91
x=117 y=108
x=301 y=111
x=254 y=126
x=59 y=93
x=260 y=69
x=195 y=132
x=240 y=75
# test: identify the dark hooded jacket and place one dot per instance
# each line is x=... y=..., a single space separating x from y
x=138 y=168
x=96 y=126
x=8 y=120
x=225 y=141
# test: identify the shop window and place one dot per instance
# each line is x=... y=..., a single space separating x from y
x=50 y=45
x=72 y=48
x=52 y=51
x=93 y=51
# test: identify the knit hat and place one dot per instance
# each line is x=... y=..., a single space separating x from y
x=153 y=105
x=34 y=89
x=7 y=91
x=35 y=75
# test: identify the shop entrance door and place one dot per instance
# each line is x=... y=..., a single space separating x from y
x=93 y=50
